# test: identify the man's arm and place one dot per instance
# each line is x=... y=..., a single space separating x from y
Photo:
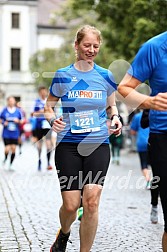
x=128 y=95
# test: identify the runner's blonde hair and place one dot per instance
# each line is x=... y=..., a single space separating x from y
x=83 y=30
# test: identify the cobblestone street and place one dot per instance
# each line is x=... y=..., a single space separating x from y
x=30 y=201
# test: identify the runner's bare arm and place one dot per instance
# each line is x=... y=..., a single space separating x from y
x=49 y=107
x=133 y=98
x=57 y=124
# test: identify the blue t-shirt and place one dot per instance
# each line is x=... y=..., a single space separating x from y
x=84 y=99
x=150 y=64
x=11 y=131
x=142 y=134
x=40 y=122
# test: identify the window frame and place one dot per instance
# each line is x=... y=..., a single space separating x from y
x=15 y=56
x=15 y=20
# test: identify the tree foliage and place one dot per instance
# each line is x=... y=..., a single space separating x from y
x=127 y=24
x=44 y=63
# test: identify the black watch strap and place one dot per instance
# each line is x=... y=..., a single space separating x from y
x=51 y=121
x=115 y=115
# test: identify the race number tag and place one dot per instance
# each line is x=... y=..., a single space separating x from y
x=11 y=126
x=85 y=121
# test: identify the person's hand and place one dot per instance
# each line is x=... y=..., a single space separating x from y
x=115 y=126
x=16 y=120
x=5 y=123
x=158 y=102
x=58 y=125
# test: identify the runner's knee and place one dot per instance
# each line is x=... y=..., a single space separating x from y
x=90 y=205
x=71 y=207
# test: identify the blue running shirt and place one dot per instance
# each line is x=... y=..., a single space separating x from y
x=11 y=131
x=150 y=64
x=40 y=122
x=84 y=99
x=142 y=134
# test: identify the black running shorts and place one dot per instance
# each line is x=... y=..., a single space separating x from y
x=40 y=133
x=81 y=164
x=10 y=141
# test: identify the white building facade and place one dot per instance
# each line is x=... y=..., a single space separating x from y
x=21 y=36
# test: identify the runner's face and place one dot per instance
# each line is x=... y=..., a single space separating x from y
x=11 y=102
x=43 y=93
x=88 y=48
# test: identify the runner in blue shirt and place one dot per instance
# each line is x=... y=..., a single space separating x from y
x=82 y=153
x=10 y=118
x=42 y=128
x=141 y=143
x=150 y=64
x=154 y=191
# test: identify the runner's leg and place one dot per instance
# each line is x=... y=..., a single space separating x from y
x=68 y=210
x=89 y=221
x=13 y=150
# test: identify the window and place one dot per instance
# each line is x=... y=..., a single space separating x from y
x=15 y=59
x=15 y=20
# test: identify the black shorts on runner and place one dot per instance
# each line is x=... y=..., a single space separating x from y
x=9 y=141
x=78 y=165
x=40 y=133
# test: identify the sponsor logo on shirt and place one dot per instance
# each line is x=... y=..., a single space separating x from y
x=85 y=94
x=74 y=78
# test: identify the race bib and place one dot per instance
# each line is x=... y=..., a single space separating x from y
x=85 y=121
x=45 y=124
x=11 y=126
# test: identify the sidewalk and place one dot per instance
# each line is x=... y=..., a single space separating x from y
x=30 y=201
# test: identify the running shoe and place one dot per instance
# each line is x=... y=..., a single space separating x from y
x=154 y=215
x=80 y=213
x=49 y=167
x=148 y=185
x=11 y=168
x=60 y=243
x=117 y=162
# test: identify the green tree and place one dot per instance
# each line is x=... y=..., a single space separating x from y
x=127 y=24
x=44 y=63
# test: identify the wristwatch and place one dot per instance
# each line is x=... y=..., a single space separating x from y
x=51 y=121
x=115 y=115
